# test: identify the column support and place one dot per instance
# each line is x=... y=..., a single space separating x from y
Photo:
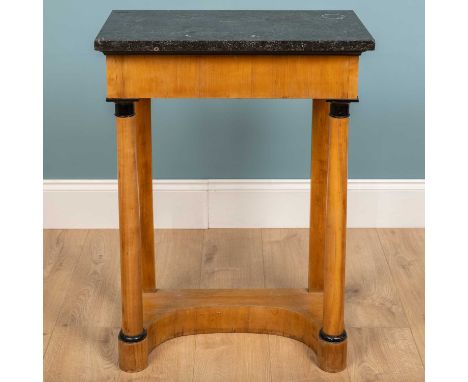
x=133 y=347
x=145 y=188
x=318 y=193
x=332 y=336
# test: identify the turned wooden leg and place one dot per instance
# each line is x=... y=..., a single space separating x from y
x=332 y=336
x=145 y=186
x=133 y=351
x=318 y=193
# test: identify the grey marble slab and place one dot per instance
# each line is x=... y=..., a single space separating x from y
x=233 y=32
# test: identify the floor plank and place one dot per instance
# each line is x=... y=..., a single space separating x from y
x=286 y=256
x=404 y=250
x=232 y=259
x=178 y=258
x=81 y=290
x=84 y=354
x=293 y=361
x=62 y=249
x=383 y=354
x=94 y=293
x=371 y=296
x=232 y=357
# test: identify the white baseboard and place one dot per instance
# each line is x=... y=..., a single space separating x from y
x=233 y=203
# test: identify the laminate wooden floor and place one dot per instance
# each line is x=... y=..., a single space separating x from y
x=384 y=310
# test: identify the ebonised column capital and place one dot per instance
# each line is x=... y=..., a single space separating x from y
x=124 y=107
x=339 y=108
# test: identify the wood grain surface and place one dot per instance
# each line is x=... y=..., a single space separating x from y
x=82 y=343
x=231 y=76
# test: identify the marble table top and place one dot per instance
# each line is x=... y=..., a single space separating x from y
x=233 y=32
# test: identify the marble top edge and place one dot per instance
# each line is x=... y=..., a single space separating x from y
x=233 y=32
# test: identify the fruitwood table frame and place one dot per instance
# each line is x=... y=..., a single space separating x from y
x=313 y=316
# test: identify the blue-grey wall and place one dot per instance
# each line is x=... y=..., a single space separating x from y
x=234 y=138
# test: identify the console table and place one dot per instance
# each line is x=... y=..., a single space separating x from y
x=233 y=54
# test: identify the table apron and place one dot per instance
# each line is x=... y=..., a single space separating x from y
x=232 y=76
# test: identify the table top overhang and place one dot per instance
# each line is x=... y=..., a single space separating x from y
x=327 y=32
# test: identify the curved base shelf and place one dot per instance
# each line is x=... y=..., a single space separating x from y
x=293 y=313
